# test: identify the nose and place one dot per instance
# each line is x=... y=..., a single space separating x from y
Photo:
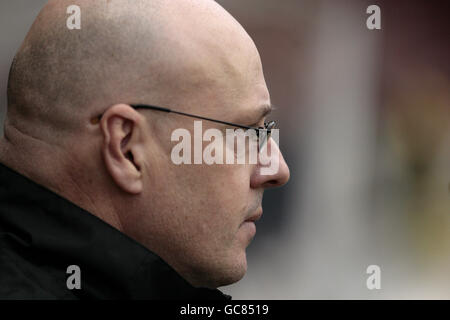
x=274 y=174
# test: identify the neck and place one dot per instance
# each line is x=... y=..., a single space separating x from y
x=51 y=167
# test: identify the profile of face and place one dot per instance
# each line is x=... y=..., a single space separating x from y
x=197 y=217
x=115 y=161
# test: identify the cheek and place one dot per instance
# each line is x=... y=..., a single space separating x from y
x=204 y=199
x=226 y=198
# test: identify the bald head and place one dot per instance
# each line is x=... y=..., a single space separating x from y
x=126 y=51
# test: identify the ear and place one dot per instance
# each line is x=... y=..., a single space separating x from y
x=123 y=146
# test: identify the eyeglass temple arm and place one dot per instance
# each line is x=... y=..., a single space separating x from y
x=144 y=106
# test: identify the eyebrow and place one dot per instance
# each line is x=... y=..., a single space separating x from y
x=265 y=110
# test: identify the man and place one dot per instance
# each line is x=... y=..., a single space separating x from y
x=91 y=203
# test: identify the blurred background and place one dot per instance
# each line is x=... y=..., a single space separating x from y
x=365 y=128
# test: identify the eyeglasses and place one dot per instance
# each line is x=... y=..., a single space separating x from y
x=268 y=126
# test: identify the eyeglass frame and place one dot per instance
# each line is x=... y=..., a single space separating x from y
x=267 y=125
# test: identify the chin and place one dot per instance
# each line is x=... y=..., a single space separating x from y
x=220 y=271
x=232 y=271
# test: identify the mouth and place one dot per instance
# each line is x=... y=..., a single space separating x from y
x=255 y=216
x=249 y=223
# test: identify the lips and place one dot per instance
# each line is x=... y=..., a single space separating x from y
x=255 y=217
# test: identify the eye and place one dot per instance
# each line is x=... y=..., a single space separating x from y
x=243 y=129
x=237 y=128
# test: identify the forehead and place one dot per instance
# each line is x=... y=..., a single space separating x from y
x=247 y=98
x=232 y=81
x=212 y=66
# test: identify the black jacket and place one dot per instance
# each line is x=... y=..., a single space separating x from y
x=42 y=234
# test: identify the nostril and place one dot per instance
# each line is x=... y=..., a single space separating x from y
x=272 y=183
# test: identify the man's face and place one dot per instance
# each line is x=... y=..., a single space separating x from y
x=195 y=216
